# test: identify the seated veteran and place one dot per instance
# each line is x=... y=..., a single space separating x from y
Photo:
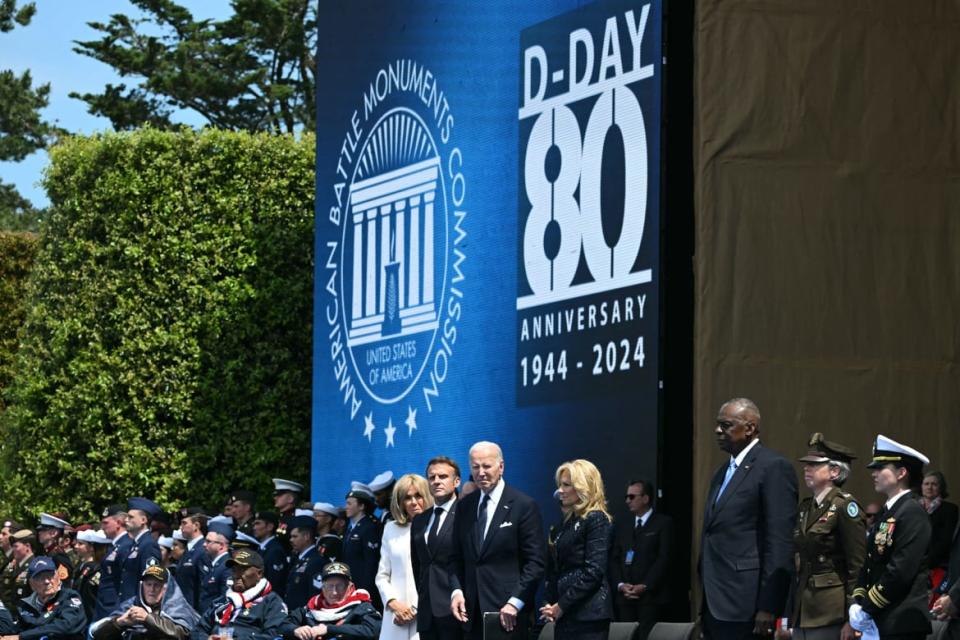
x=158 y=612
x=340 y=610
x=250 y=610
x=51 y=611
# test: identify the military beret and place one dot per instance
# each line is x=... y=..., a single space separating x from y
x=303 y=522
x=267 y=516
x=242 y=496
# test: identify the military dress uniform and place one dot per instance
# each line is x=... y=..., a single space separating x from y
x=21 y=581
x=830 y=545
x=87 y=583
x=7 y=579
x=330 y=546
x=892 y=586
x=111 y=571
x=361 y=552
x=145 y=552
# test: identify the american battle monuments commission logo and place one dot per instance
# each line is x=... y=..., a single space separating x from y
x=395 y=272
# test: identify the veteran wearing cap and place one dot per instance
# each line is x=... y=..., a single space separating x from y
x=286 y=496
x=158 y=612
x=52 y=611
x=891 y=592
x=214 y=571
x=830 y=544
x=340 y=610
x=329 y=544
x=250 y=610
x=303 y=579
x=145 y=551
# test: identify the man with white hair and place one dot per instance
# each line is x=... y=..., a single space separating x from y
x=159 y=612
x=499 y=549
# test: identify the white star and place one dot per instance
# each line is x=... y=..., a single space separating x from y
x=411 y=420
x=390 y=431
x=368 y=429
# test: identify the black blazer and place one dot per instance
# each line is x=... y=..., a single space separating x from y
x=652 y=547
x=431 y=567
x=943 y=522
x=509 y=563
x=578 y=568
x=746 y=549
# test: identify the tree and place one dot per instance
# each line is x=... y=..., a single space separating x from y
x=253 y=71
x=22 y=130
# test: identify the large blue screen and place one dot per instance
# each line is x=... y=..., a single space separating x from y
x=487 y=238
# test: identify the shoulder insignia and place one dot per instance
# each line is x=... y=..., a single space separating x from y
x=95 y=580
x=151 y=562
x=853 y=510
x=75 y=602
x=62 y=572
x=833 y=508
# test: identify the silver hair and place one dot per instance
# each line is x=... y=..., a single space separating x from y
x=483 y=444
x=748 y=405
x=843 y=471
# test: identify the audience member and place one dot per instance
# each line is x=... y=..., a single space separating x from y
x=158 y=612
x=943 y=523
x=51 y=611
x=340 y=610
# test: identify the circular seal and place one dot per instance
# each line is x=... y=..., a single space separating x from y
x=853 y=510
x=393 y=266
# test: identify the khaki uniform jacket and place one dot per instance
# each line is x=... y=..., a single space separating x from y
x=830 y=543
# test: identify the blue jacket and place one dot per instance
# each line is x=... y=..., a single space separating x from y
x=213 y=581
x=304 y=579
x=64 y=619
x=276 y=565
x=361 y=552
x=145 y=553
x=188 y=573
x=111 y=570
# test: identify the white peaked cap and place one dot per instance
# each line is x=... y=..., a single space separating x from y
x=325 y=507
x=47 y=520
x=93 y=537
x=889 y=445
x=279 y=484
x=381 y=481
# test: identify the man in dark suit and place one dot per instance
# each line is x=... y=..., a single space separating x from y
x=499 y=549
x=431 y=544
x=639 y=559
x=746 y=546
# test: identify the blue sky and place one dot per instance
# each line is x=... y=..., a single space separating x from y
x=45 y=47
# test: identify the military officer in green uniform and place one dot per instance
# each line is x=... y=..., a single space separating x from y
x=830 y=544
x=16 y=582
x=890 y=598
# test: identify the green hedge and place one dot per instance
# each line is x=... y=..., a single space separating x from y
x=16 y=259
x=167 y=343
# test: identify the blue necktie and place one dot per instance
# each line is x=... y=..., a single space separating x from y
x=726 y=478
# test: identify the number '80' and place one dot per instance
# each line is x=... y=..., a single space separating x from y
x=580 y=164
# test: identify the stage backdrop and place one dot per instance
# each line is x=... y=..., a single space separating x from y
x=487 y=232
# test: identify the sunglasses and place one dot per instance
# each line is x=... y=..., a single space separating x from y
x=632 y=496
x=870 y=515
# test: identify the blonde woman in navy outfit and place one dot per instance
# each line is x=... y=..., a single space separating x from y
x=577 y=591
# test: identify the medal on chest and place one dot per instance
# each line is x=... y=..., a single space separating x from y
x=884 y=536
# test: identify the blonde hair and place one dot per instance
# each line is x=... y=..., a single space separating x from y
x=400 y=490
x=588 y=484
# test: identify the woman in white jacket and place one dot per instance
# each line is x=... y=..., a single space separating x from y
x=411 y=496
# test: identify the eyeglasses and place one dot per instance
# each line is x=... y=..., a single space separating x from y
x=870 y=515
x=632 y=496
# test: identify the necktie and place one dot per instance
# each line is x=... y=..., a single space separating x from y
x=435 y=527
x=726 y=478
x=482 y=518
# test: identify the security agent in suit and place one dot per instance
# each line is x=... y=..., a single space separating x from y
x=639 y=558
x=303 y=579
x=145 y=551
x=361 y=541
x=746 y=549
x=431 y=542
x=276 y=562
x=499 y=549
x=891 y=590
x=214 y=572
x=830 y=543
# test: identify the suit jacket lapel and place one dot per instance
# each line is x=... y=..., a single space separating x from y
x=712 y=494
x=741 y=472
x=503 y=510
x=816 y=512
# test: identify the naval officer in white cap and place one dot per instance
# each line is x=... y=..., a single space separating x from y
x=890 y=599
